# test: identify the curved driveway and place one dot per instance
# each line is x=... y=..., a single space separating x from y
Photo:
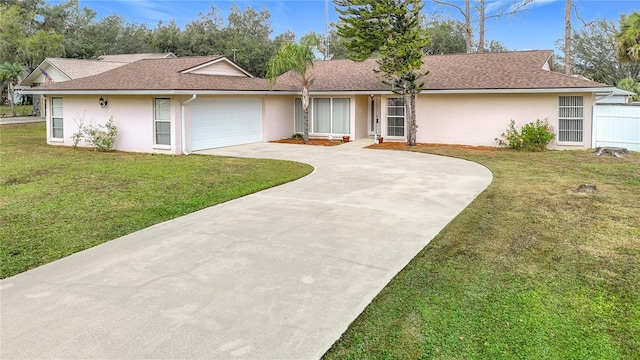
x=279 y=274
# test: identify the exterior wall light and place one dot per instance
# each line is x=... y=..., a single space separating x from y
x=102 y=102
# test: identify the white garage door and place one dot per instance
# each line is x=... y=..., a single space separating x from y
x=225 y=122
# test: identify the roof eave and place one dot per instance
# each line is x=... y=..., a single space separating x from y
x=159 y=92
x=315 y=92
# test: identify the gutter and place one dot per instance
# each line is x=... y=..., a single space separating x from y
x=183 y=132
x=603 y=96
x=313 y=92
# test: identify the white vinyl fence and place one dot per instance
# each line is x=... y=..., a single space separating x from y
x=617 y=125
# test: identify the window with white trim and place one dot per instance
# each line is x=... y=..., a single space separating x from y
x=570 y=119
x=57 y=119
x=326 y=116
x=162 y=122
x=395 y=117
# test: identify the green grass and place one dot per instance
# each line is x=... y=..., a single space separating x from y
x=21 y=110
x=530 y=270
x=55 y=201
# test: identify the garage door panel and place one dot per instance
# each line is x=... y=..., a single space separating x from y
x=225 y=122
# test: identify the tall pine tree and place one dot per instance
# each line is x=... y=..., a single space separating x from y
x=391 y=30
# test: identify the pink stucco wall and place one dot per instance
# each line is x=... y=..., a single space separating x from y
x=277 y=117
x=133 y=115
x=362 y=116
x=470 y=119
x=477 y=119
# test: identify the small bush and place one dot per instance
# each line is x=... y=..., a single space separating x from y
x=534 y=136
x=102 y=137
x=297 y=136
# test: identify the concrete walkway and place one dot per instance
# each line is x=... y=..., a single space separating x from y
x=275 y=275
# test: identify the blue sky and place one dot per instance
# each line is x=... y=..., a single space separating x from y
x=537 y=28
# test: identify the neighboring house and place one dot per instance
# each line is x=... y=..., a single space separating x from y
x=617 y=96
x=55 y=70
x=180 y=105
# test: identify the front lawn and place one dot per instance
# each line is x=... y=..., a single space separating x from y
x=55 y=201
x=21 y=110
x=530 y=270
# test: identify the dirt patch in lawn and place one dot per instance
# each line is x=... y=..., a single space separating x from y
x=318 y=142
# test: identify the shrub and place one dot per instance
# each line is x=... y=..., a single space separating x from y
x=534 y=136
x=102 y=137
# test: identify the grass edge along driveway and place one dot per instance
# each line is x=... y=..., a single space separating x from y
x=55 y=201
x=530 y=270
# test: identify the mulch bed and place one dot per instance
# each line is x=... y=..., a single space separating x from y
x=388 y=145
x=400 y=145
x=318 y=142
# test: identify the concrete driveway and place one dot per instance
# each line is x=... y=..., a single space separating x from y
x=279 y=274
x=20 y=120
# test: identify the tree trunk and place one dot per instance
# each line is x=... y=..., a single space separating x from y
x=305 y=111
x=467 y=26
x=567 y=39
x=410 y=115
x=481 y=25
x=10 y=95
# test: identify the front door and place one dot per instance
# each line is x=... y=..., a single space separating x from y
x=374 y=115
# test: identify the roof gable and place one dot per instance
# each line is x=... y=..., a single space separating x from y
x=221 y=66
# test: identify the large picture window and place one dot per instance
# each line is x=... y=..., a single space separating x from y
x=162 y=122
x=570 y=119
x=321 y=111
x=57 y=119
x=326 y=116
x=395 y=117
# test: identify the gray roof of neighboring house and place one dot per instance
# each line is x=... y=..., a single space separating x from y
x=525 y=70
x=129 y=58
x=162 y=74
x=79 y=68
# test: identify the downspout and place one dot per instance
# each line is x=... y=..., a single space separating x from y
x=603 y=96
x=183 y=132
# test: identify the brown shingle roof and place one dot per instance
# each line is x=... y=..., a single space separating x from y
x=489 y=71
x=161 y=74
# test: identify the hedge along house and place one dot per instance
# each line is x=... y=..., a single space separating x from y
x=180 y=105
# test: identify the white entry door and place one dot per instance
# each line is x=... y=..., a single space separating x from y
x=218 y=122
x=374 y=115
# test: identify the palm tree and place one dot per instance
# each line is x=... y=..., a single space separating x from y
x=11 y=73
x=296 y=58
x=629 y=38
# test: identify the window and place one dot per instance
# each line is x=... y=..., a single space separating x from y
x=326 y=116
x=395 y=117
x=321 y=115
x=57 y=120
x=162 y=122
x=340 y=116
x=570 y=119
